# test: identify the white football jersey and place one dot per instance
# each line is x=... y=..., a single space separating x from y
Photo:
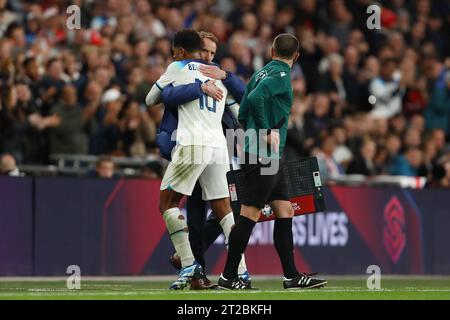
x=199 y=121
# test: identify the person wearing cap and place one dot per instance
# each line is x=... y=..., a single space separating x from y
x=106 y=138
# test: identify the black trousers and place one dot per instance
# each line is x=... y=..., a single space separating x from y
x=202 y=232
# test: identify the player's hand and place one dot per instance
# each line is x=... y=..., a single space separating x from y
x=273 y=139
x=212 y=90
x=213 y=72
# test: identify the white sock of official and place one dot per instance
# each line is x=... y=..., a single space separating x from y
x=179 y=234
x=227 y=223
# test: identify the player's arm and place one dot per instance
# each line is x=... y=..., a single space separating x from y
x=175 y=96
x=232 y=105
x=235 y=86
x=232 y=82
x=154 y=95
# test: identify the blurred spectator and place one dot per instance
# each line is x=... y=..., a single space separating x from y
x=439 y=178
x=438 y=111
x=51 y=85
x=332 y=82
x=341 y=21
x=68 y=133
x=16 y=33
x=350 y=76
x=12 y=123
x=408 y=163
x=438 y=136
x=329 y=168
x=430 y=154
x=152 y=170
x=104 y=168
x=296 y=143
x=363 y=163
x=342 y=153
x=318 y=120
x=241 y=54
x=418 y=122
x=412 y=138
x=107 y=137
x=6 y=17
x=398 y=124
x=138 y=130
x=386 y=91
x=8 y=166
x=414 y=99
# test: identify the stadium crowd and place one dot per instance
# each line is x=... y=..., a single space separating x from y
x=366 y=101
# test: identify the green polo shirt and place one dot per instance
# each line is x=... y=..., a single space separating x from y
x=267 y=99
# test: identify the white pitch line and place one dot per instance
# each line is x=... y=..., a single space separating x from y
x=214 y=276
x=163 y=291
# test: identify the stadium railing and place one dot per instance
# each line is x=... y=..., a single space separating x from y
x=79 y=165
x=381 y=180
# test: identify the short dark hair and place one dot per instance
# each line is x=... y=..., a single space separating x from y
x=11 y=28
x=28 y=60
x=285 y=45
x=188 y=39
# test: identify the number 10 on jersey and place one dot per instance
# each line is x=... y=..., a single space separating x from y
x=203 y=100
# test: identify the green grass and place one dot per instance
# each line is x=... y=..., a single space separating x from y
x=392 y=288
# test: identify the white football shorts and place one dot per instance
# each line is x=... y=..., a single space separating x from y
x=208 y=165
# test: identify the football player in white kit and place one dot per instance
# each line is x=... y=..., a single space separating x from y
x=200 y=154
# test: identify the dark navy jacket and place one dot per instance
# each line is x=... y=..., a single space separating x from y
x=172 y=97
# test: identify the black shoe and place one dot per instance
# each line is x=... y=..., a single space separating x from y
x=201 y=282
x=304 y=281
x=232 y=284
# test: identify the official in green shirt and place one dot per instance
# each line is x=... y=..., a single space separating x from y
x=263 y=114
x=266 y=106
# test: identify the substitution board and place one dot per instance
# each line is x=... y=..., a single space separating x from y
x=305 y=189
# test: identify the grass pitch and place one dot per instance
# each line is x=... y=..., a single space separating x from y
x=155 y=288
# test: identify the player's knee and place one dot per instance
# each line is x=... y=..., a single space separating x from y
x=167 y=200
x=166 y=205
x=287 y=212
x=250 y=212
x=290 y=212
x=221 y=207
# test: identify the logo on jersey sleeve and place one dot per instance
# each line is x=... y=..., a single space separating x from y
x=261 y=75
x=282 y=73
